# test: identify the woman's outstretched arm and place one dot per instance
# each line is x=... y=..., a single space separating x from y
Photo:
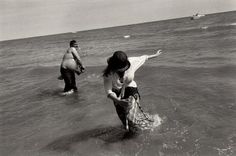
x=140 y=60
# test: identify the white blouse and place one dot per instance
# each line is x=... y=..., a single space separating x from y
x=113 y=80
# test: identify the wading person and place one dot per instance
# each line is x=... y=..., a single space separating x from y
x=71 y=64
x=121 y=88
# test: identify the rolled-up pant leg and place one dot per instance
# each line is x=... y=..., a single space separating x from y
x=73 y=81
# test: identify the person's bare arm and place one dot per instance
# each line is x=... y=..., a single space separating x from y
x=137 y=62
x=77 y=57
x=111 y=95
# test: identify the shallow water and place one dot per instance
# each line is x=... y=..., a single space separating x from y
x=191 y=86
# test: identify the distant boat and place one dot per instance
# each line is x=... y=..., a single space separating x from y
x=127 y=36
x=197 y=16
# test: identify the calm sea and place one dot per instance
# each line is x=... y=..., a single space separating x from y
x=191 y=86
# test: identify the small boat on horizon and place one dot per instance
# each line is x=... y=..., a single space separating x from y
x=197 y=16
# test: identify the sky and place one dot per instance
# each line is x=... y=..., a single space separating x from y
x=28 y=18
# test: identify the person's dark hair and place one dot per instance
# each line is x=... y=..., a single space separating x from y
x=118 y=62
x=73 y=43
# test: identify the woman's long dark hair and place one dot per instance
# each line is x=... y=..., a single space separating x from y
x=118 y=60
x=107 y=71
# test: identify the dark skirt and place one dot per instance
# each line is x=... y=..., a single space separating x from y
x=133 y=117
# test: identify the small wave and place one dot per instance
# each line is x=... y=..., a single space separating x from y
x=33 y=65
x=212 y=27
x=234 y=24
x=224 y=151
x=127 y=36
x=205 y=27
x=93 y=77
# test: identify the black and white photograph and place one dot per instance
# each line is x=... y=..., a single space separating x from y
x=118 y=77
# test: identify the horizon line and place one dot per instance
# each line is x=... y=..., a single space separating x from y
x=106 y=27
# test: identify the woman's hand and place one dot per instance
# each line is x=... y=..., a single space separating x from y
x=155 y=55
x=158 y=52
x=82 y=69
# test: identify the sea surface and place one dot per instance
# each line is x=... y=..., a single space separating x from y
x=191 y=85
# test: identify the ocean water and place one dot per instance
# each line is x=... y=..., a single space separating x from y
x=191 y=85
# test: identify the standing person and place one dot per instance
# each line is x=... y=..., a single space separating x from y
x=121 y=88
x=71 y=64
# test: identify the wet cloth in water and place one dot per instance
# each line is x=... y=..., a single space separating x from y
x=133 y=117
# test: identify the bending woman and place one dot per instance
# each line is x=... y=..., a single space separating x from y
x=121 y=88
